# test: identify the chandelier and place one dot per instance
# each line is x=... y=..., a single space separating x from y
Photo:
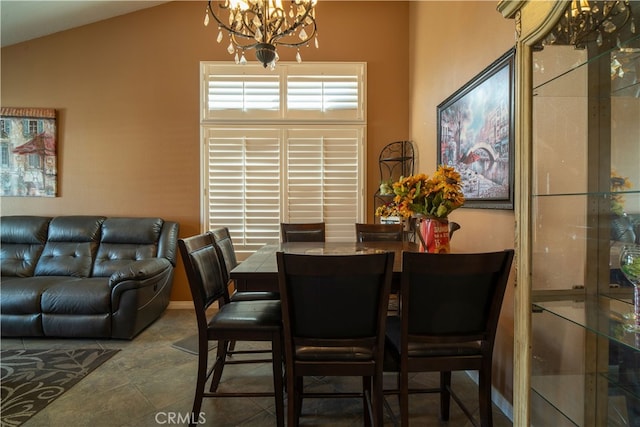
x=262 y=25
x=587 y=21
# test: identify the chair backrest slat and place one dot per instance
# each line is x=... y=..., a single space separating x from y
x=222 y=239
x=204 y=271
x=335 y=297
x=303 y=232
x=378 y=232
x=453 y=295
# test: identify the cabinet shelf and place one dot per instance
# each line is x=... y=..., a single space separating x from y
x=600 y=314
x=603 y=194
x=549 y=83
x=546 y=413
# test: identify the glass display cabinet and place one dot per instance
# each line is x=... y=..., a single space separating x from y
x=577 y=358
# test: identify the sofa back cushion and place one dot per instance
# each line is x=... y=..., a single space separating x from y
x=125 y=240
x=22 y=239
x=71 y=246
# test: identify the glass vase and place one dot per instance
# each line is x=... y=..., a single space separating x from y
x=630 y=267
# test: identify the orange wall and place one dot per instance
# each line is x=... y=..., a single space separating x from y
x=451 y=42
x=127 y=93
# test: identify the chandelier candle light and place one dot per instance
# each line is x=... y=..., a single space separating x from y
x=262 y=25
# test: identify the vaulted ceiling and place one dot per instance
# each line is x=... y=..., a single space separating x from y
x=28 y=19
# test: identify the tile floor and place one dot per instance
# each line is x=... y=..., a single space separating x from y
x=150 y=383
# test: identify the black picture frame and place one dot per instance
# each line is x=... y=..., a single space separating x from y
x=476 y=135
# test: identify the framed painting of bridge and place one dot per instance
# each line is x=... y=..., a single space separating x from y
x=476 y=135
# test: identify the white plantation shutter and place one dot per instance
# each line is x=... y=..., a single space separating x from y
x=251 y=94
x=335 y=97
x=323 y=181
x=243 y=185
x=227 y=93
x=283 y=146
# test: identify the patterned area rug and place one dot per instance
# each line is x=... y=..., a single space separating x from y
x=31 y=379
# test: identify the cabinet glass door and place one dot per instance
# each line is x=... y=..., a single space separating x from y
x=585 y=206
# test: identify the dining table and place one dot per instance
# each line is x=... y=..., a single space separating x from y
x=259 y=272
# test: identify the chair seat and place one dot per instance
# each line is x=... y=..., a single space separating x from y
x=334 y=354
x=420 y=349
x=252 y=315
x=254 y=295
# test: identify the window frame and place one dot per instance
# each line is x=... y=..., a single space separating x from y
x=342 y=120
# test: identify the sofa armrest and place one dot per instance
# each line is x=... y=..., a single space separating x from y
x=139 y=274
x=139 y=270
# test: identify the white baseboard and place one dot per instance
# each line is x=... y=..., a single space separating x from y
x=185 y=305
x=496 y=397
x=180 y=305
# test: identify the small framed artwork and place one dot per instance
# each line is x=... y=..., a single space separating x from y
x=28 y=151
x=476 y=135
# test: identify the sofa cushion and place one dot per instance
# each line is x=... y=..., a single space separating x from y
x=76 y=325
x=22 y=241
x=23 y=295
x=125 y=240
x=21 y=325
x=71 y=246
x=77 y=296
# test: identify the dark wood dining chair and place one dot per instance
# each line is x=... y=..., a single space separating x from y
x=302 y=232
x=334 y=309
x=378 y=232
x=450 y=305
x=233 y=321
x=228 y=261
x=227 y=253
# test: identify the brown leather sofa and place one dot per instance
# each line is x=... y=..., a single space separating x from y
x=84 y=276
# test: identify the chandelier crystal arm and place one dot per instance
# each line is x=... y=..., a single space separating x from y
x=306 y=19
x=264 y=24
x=246 y=31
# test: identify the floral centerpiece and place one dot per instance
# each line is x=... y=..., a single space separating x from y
x=427 y=197
x=432 y=197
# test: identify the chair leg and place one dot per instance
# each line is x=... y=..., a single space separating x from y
x=221 y=357
x=292 y=399
x=445 y=395
x=203 y=357
x=484 y=386
x=398 y=386
x=404 y=399
x=299 y=385
x=378 y=400
x=367 y=401
x=278 y=389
